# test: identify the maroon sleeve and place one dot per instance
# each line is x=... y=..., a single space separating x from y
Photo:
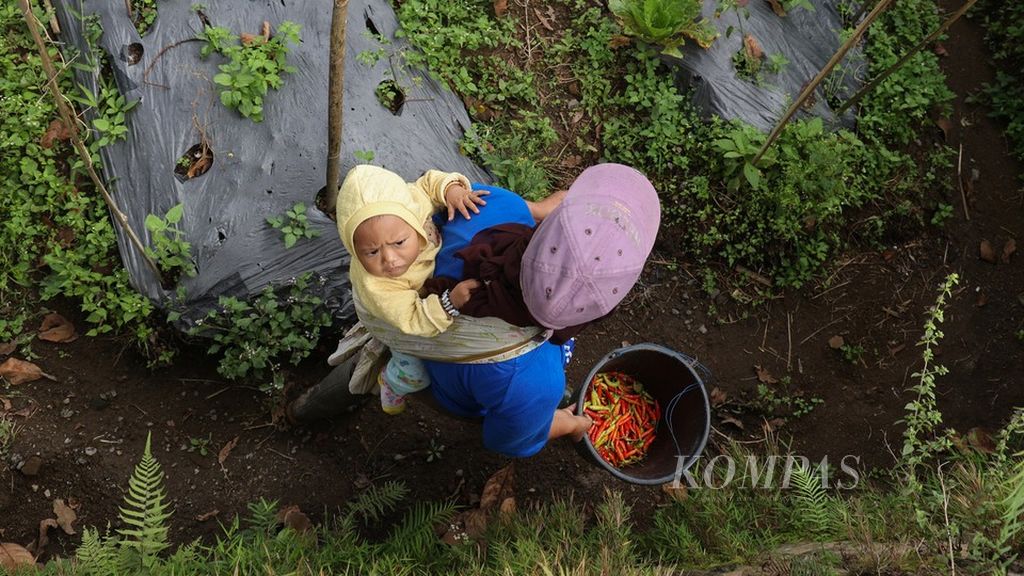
x=437 y=285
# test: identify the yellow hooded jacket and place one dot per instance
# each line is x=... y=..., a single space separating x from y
x=370 y=191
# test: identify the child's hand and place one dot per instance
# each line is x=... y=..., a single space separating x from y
x=462 y=291
x=458 y=197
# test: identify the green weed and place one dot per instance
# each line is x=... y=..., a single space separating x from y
x=294 y=225
x=169 y=250
x=253 y=67
x=255 y=338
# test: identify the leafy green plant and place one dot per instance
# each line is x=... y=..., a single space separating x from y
x=364 y=156
x=143 y=14
x=110 y=108
x=254 y=338
x=942 y=213
x=771 y=402
x=169 y=250
x=435 y=451
x=922 y=438
x=294 y=225
x=667 y=23
x=1005 y=95
x=254 y=66
x=47 y=216
x=777 y=62
x=200 y=445
x=852 y=353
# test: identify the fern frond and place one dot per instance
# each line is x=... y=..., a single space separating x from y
x=97 y=555
x=378 y=501
x=812 y=502
x=415 y=538
x=1013 y=506
x=145 y=511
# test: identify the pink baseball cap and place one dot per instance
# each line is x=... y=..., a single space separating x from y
x=588 y=253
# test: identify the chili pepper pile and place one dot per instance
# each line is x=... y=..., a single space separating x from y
x=625 y=418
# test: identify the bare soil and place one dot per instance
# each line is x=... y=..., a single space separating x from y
x=84 y=431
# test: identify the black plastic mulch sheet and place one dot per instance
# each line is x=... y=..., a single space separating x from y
x=806 y=38
x=259 y=170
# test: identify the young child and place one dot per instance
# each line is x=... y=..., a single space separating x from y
x=385 y=224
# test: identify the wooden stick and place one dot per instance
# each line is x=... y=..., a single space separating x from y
x=809 y=89
x=335 y=107
x=68 y=117
x=789 y=338
x=899 y=64
x=960 y=180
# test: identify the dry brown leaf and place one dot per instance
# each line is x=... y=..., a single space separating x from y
x=19 y=371
x=476 y=523
x=498 y=487
x=774 y=424
x=836 y=342
x=14 y=555
x=44 y=535
x=726 y=419
x=545 y=21
x=57 y=131
x=508 y=505
x=939 y=49
x=982 y=299
x=981 y=440
x=206 y=516
x=65 y=516
x=265 y=30
x=718 y=397
x=247 y=39
x=618 y=41
x=946 y=126
x=7 y=347
x=764 y=376
x=500 y=7
x=986 y=252
x=479 y=109
x=6 y=403
x=675 y=491
x=56 y=328
x=752 y=47
x=777 y=8
x=1008 y=249
x=226 y=450
x=294 y=518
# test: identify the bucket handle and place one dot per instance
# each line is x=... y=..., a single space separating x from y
x=701 y=370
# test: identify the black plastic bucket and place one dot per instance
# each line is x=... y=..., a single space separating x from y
x=677 y=382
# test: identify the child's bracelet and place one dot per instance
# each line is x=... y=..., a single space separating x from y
x=446 y=303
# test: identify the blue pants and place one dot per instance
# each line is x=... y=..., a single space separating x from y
x=517 y=398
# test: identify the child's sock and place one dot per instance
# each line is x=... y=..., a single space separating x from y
x=391 y=402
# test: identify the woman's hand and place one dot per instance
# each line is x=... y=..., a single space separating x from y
x=458 y=197
x=462 y=291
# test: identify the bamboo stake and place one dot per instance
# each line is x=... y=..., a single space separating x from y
x=335 y=108
x=888 y=72
x=809 y=89
x=68 y=117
